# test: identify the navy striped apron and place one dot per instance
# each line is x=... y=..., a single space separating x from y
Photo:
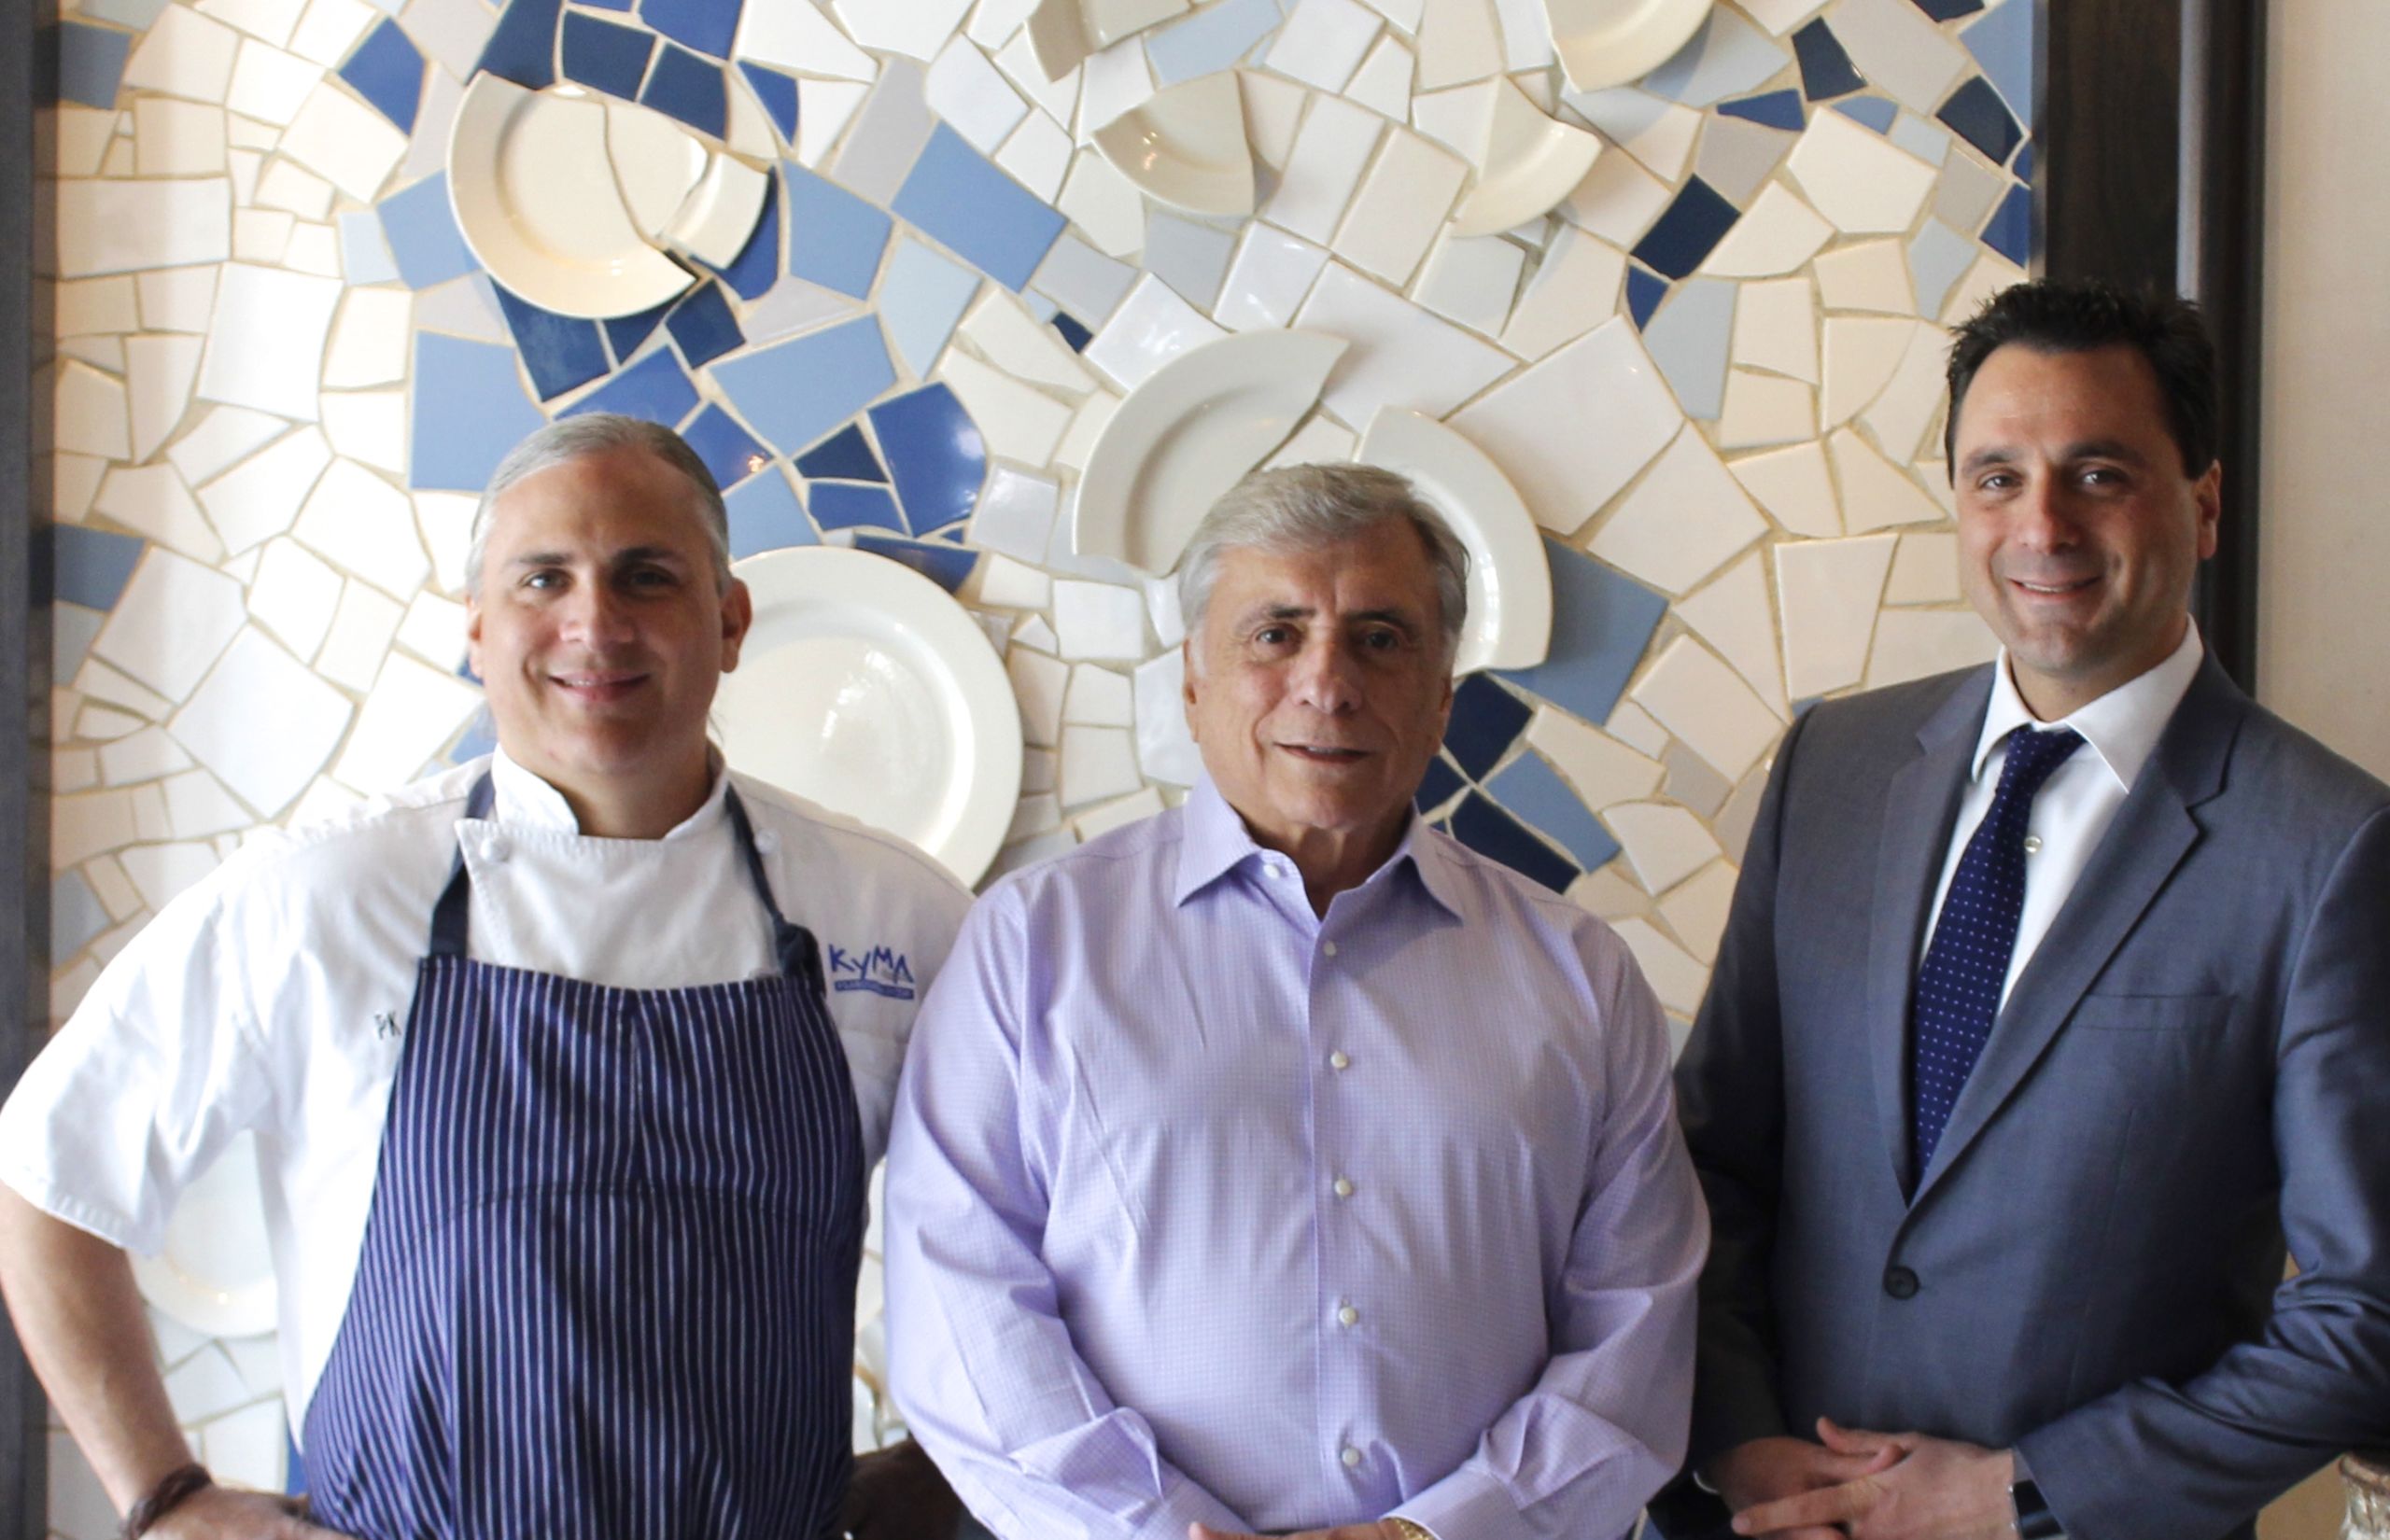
x=608 y=1283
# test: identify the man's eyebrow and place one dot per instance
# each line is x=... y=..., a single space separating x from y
x=2082 y=449
x=618 y=558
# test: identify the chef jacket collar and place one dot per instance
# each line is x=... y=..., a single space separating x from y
x=526 y=800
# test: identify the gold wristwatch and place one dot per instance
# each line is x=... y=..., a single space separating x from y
x=1410 y=1529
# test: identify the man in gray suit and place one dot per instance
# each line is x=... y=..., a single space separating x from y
x=2056 y=994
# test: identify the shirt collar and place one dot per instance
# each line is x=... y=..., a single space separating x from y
x=2122 y=727
x=525 y=799
x=1215 y=841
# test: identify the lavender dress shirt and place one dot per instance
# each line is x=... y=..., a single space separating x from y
x=1200 y=1207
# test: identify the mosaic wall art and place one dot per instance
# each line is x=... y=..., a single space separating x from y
x=902 y=280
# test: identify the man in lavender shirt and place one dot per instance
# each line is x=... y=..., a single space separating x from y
x=1278 y=1165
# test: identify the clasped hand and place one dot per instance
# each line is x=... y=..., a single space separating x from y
x=1870 y=1485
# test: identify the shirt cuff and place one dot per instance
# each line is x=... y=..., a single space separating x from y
x=1468 y=1505
x=1184 y=1503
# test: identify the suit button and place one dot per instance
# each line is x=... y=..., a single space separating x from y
x=1900 y=1282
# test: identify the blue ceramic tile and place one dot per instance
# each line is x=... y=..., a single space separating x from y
x=605 y=54
x=935 y=452
x=1644 y=293
x=1826 y=68
x=468 y=411
x=702 y=326
x=1780 y=109
x=139 y=15
x=845 y=504
x=765 y=515
x=91 y=63
x=836 y=239
x=72 y=629
x=424 y=239
x=624 y=333
x=797 y=391
x=728 y=450
x=1191 y=258
x=559 y=351
x=1072 y=333
x=1601 y=622
x=752 y=273
x=2002 y=43
x=90 y=567
x=1040 y=308
x=1689 y=339
x=705 y=25
x=386 y=70
x=1949 y=10
x=294 y=1470
x=777 y=94
x=1921 y=138
x=1494 y=833
x=1688 y=230
x=2024 y=166
x=524 y=48
x=2010 y=229
x=1212 y=39
x=1486 y=719
x=1975 y=112
x=1535 y=792
x=364 y=254
x=655 y=388
x=956 y=196
x=923 y=298
x=1727 y=57
x=1436 y=788
x=1935 y=258
x=844 y=457
x=688 y=87
x=480 y=737
x=947 y=565
x=1875 y=111
x=76 y=916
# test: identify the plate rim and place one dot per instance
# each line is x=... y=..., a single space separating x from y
x=1635 y=41
x=252 y=1309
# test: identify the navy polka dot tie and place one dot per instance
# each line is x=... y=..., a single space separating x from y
x=1957 y=988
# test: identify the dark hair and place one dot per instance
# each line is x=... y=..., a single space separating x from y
x=2051 y=316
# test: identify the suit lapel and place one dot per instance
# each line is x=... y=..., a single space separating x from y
x=2152 y=833
x=1918 y=807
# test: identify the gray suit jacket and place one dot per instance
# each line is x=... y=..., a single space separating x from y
x=2195 y=1064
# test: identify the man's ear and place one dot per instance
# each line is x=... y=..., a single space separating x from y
x=1187 y=682
x=473 y=635
x=2209 y=493
x=738 y=616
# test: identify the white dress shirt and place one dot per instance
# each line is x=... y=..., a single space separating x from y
x=2079 y=801
x=268 y=998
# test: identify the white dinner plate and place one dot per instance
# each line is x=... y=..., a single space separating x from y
x=1526 y=163
x=214 y=1274
x=866 y=687
x=1184 y=436
x=1510 y=578
x=1186 y=146
x=1610 y=42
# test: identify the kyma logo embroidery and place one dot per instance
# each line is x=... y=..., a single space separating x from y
x=878 y=970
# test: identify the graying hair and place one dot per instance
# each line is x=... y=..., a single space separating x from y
x=599 y=433
x=1304 y=507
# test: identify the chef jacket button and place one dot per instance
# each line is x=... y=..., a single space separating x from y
x=1351 y=1457
x=767 y=842
x=1900 y=1282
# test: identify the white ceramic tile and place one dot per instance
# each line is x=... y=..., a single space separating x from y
x=1325 y=165
x=1925 y=571
x=1004 y=583
x=1664 y=843
x=302 y=193
x=90 y=305
x=110 y=226
x=176 y=298
x=204 y=1385
x=1602 y=770
x=1794 y=487
x=1708 y=706
x=994 y=21
x=409 y=715
x=260 y=235
x=452 y=32
x=369 y=343
x=1038 y=683
x=104 y=353
x=1458 y=43
x=1274 y=111
x=1136 y=807
x=100 y=724
x=89 y=413
x=1869 y=276
x=364 y=623
x=434 y=630
x=1015 y=514
x=1037 y=155
x=246 y=1447
x=1457 y=118
x=1609 y=895
x=118 y=163
x=162 y=872
x=445 y=520
x=1875 y=492
x=174 y=138
x=1018 y=422
x=87 y=825
x=1399 y=353
x=1989 y=277
x=1098 y=698
x=328 y=29
x=1033 y=815
x=183 y=54
x=1099 y=620
x=1318 y=441
x=1266 y=281
x=1776 y=234
x=1036 y=770
x=1861 y=353
x=1659 y=134
x=362 y=524
x=1404 y=14
x=1056 y=99
x=1113 y=83
x=1862 y=182
x=1401 y=205
x=1034 y=634
x=316 y=249
x=1827 y=592
x=174 y=617
x=222 y=437
x=265 y=346
x=1776 y=328
x=1696 y=910
x=1764 y=409
x=1899 y=49
x=1162 y=608
x=75 y=481
x=1086 y=426
x=1152 y=327
x=1382 y=83
x=1104 y=205
x=82 y=140
x=1574 y=289
x=1083 y=280
x=1921 y=138
x=915 y=28
x=115 y=890
x=1470 y=280
x=1098 y=764
x=1164 y=749
x=1618 y=200
x=1912 y=398
x=1682 y=521
x=1732 y=613
x=261 y=724
x=824 y=107
x=1781 y=16
x=1912 y=644
x=369 y=427
x=965 y=89
x=1933 y=471
x=198 y=805
x=293 y=595
x=1533 y=424
x=345 y=141
x=153 y=500
x=271 y=20
x=268 y=84
x=99 y=683
x=1322 y=42
x=1006 y=336
x=800 y=38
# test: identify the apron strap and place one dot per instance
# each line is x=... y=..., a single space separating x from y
x=450 y=915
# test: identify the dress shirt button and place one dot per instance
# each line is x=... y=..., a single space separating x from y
x=1900 y=1282
x=766 y=841
x=495 y=849
x=1351 y=1457
x=1343 y=1186
x=2032 y=844
x=1328 y=949
x=1339 y=1060
x=1347 y=1316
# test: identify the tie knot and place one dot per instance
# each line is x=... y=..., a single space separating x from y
x=2032 y=755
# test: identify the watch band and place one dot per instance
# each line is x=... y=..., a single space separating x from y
x=2032 y=1514
x=1411 y=1527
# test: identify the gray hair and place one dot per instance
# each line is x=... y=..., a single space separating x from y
x=599 y=433
x=1304 y=507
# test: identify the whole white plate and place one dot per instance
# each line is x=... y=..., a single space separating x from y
x=1609 y=42
x=214 y=1274
x=1184 y=436
x=1510 y=578
x=1527 y=162
x=866 y=687
x=1186 y=146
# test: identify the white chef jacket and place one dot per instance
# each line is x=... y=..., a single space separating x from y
x=270 y=998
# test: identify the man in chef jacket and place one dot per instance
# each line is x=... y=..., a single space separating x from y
x=563 y=1128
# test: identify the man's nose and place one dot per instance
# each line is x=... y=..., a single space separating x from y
x=594 y=610
x=2041 y=516
x=1327 y=674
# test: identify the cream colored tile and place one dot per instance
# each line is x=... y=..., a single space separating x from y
x=1763 y=409
x=1609 y=894
x=1732 y=612
x=285 y=185
x=1663 y=843
x=294 y=595
x=364 y=623
x=176 y=298
x=159 y=373
x=1794 y=487
x=1708 y=706
x=268 y=84
x=369 y=345
x=260 y=497
x=1324 y=167
x=1827 y=592
x=1912 y=398
x=1602 y=770
x=412 y=712
x=1875 y=492
x=1575 y=289
x=260 y=235
x=1697 y=908
x=96 y=681
x=1098 y=764
x=1657 y=132
x=1104 y=205
x=1098 y=698
x=1911 y=644
x=369 y=427
x=1472 y=281
x=89 y=306
x=265 y=345
x=152 y=499
x=1682 y=521
x=1382 y=83
x=362 y=524
x=89 y=824
x=1400 y=207
x=82 y=139
x=1859 y=180
x=1398 y=353
x=1618 y=200
x=1018 y=422
x=1533 y=424
x=346 y=142
x=89 y=413
x=1007 y=337
x=183 y=54
x=176 y=616
x=1322 y=42
x=1776 y=328
x=1100 y=621
x=1458 y=42
x=1868 y=276
x=174 y=138
x=111 y=226
x=1776 y=234
x=261 y=724
x=1136 y=807
x=1274 y=111
x=1989 y=277
x=1861 y=353
x=1038 y=684
x=1925 y=571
